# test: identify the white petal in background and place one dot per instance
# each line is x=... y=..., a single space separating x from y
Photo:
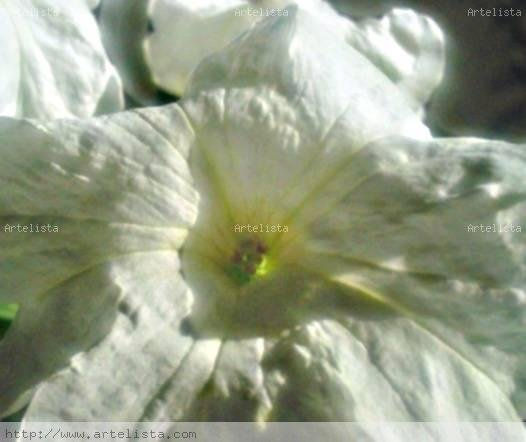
x=124 y=25
x=182 y=34
x=406 y=46
x=186 y=32
x=54 y=62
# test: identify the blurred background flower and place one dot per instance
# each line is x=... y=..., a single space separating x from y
x=484 y=91
x=54 y=64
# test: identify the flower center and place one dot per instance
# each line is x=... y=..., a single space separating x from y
x=248 y=260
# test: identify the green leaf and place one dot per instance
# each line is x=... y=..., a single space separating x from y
x=8 y=312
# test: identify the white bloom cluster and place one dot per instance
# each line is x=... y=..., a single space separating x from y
x=287 y=242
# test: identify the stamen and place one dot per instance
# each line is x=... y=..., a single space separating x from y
x=248 y=260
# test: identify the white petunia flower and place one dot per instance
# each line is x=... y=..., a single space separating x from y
x=408 y=47
x=54 y=62
x=375 y=303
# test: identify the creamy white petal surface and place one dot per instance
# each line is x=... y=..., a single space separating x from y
x=375 y=304
x=55 y=65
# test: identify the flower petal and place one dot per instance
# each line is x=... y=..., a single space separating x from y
x=126 y=168
x=288 y=104
x=126 y=192
x=55 y=65
x=185 y=33
x=286 y=53
x=175 y=378
x=69 y=317
x=287 y=58
x=408 y=47
x=217 y=381
x=371 y=371
x=398 y=189
x=131 y=364
x=125 y=187
x=394 y=227
x=275 y=116
x=235 y=390
x=123 y=25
